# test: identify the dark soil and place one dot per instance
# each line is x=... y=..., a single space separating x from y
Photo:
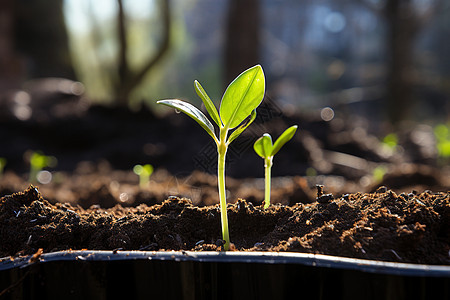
x=94 y=201
x=409 y=227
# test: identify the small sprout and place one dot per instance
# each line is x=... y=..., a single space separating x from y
x=264 y=148
x=442 y=134
x=390 y=143
x=2 y=165
x=39 y=161
x=390 y=140
x=144 y=172
x=237 y=111
x=311 y=172
x=378 y=173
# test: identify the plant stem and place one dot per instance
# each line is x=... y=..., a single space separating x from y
x=267 y=167
x=33 y=174
x=222 y=151
x=143 y=180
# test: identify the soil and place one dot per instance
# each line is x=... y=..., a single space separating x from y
x=94 y=201
x=409 y=227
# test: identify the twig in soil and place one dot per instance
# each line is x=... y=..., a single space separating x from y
x=116 y=250
x=199 y=242
x=319 y=188
x=150 y=246
x=321 y=197
x=395 y=254
x=36 y=256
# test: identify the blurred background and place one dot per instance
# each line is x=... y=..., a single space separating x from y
x=380 y=66
x=390 y=54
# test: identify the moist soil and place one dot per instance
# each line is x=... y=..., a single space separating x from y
x=94 y=201
x=409 y=227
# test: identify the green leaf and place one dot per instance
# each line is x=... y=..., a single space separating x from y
x=241 y=128
x=263 y=146
x=40 y=161
x=148 y=169
x=192 y=112
x=143 y=169
x=210 y=107
x=283 y=139
x=242 y=96
x=137 y=169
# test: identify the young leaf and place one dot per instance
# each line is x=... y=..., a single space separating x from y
x=241 y=128
x=210 y=107
x=192 y=112
x=146 y=169
x=283 y=139
x=263 y=146
x=242 y=96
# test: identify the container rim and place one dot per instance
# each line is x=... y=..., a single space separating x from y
x=307 y=259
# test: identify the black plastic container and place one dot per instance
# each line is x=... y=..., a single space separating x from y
x=216 y=275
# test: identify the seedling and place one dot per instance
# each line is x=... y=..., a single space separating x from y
x=38 y=161
x=144 y=172
x=237 y=111
x=442 y=134
x=264 y=148
x=378 y=173
x=390 y=143
x=390 y=140
x=2 y=165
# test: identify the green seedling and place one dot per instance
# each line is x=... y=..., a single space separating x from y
x=144 y=172
x=390 y=140
x=237 y=111
x=2 y=165
x=378 y=173
x=39 y=161
x=264 y=148
x=442 y=134
x=390 y=143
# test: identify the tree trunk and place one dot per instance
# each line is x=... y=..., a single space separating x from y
x=242 y=37
x=402 y=26
x=41 y=37
x=128 y=79
x=12 y=66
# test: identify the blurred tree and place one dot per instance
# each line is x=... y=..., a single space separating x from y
x=404 y=21
x=127 y=78
x=242 y=40
x=11 y=65
x=33 y=41
x=41 y=36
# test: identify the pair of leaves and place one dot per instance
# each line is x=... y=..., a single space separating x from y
x=240 y=101
x=40 y=161
x=264 y=147
x=145 y=170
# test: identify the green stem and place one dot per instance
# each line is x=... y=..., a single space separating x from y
x=143 y=180
x=267 y=167
x=222 y=151
x=33 y=174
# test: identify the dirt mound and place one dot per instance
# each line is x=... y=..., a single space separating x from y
x=409 y=227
